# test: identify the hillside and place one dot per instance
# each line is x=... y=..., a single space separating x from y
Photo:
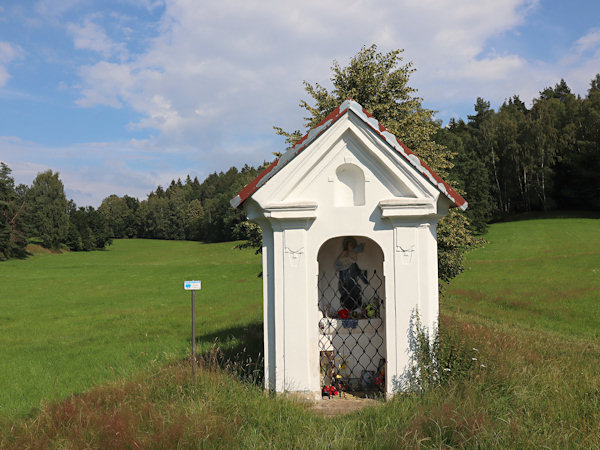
x=522 y=322
x=537 y=274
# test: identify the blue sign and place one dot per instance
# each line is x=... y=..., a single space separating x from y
x=192 y=285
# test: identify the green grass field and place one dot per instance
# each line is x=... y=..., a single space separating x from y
x=74 y=320
x=526 y=308
x=542 y=274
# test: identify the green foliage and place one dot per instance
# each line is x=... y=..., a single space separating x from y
x=88 y=229
x=185 y=210
x=519 y=160
x=121 y=215
x=12 y=239
x=453 y=239
x=469 y=174
x=577 y=184
x=43 y=211
x=46 y=212
x=189 y=210
x=379 y=82
x=250 y=233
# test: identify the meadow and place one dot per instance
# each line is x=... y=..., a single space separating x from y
x=537 y=274
x=74 y=320
x=524 y=314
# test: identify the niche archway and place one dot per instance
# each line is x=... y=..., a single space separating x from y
x=350 y=188
x=352 y=348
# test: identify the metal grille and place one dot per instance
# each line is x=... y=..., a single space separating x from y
x=352 y=331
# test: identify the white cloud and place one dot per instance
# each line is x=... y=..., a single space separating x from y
x=107 y=84
x=487 y=69
x=90 y=36
x=590 y=41
x=246 y=61
x=8 y=52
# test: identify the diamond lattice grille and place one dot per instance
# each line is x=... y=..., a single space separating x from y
x=352 y=330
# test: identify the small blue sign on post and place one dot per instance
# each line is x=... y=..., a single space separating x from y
x=194 y=285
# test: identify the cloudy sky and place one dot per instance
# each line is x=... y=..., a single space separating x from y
x=122 y=95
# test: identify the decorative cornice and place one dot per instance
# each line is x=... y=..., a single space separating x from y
x=407 y=206
x=291 y=210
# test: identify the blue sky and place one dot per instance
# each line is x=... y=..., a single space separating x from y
x=120 y=96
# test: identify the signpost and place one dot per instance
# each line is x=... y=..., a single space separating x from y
x=193 y=286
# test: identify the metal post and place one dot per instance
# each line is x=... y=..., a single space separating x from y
x=193 y=338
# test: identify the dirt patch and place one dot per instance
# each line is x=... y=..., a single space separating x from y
x=573 y=293
x=339 y=406
x=37 y=249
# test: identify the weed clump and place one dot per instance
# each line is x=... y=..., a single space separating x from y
x=438 y=356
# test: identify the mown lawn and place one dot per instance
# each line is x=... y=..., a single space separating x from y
x=74 y=320
x=523 y=316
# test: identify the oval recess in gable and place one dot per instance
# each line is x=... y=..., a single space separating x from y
x=350 y=189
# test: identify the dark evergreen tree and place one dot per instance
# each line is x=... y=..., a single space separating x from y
x=469 y=173
x=577 y=183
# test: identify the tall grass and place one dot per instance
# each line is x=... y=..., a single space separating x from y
x=527 y=396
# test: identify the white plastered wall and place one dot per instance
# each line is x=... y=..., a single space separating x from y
x=317 y=196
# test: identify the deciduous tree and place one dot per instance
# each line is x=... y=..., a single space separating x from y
x=380 y=83
x=47 y=210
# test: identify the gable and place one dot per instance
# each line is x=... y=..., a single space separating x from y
x=340 y=169
x=378 y=149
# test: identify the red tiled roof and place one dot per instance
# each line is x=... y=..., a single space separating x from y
x=313 y=133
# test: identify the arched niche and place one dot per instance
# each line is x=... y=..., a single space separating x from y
x=351 y=317
x=350 y=188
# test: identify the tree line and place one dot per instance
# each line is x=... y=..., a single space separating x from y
x=41 y=214
x=520 y=159
x=184 y=210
